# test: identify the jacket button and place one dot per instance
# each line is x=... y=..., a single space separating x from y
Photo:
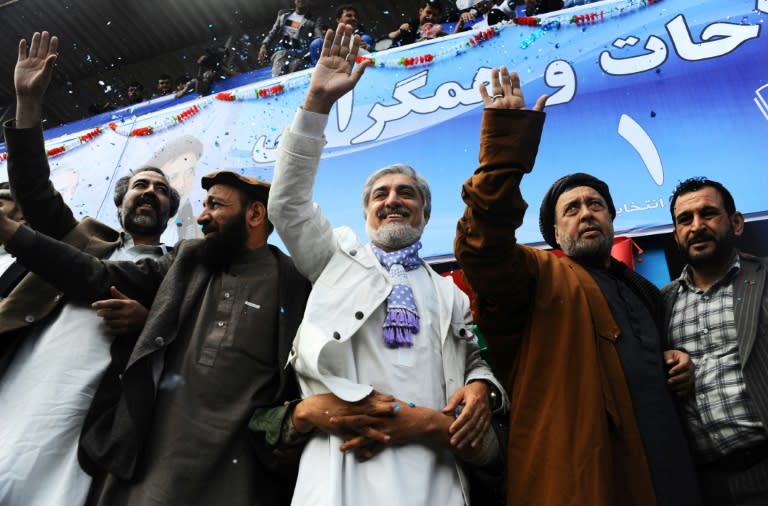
x=463 y=332
x=336 y=336
x=352 y=252
x=29 y=318
x=359 y=315
x=159 y=341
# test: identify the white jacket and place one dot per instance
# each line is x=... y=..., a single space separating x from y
x=349 y=284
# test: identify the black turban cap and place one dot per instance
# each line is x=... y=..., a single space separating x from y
x=562 y=185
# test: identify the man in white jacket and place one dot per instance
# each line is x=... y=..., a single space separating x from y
x=378 y=320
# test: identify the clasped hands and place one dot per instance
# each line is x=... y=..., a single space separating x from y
x=380 y=420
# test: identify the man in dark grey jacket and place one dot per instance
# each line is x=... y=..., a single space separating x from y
x=170 y=427
x=718 y=312
x=224 y=311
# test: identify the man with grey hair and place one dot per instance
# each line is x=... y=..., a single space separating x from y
x=378 y=319
x=397 y=235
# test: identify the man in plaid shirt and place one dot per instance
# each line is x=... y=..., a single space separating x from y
x=718 y=313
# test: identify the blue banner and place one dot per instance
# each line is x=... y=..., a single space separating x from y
x=643 y=94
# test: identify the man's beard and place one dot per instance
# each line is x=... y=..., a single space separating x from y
x=144 y=224
x=714 y=257
x=395 y=235
x=593 y=251
x=227 y=241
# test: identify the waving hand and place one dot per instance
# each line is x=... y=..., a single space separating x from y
x=334 y=76
x=32 y=76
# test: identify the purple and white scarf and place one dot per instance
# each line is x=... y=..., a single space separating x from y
x=402 y=320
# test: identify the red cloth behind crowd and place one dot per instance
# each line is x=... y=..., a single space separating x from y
x=624 y=250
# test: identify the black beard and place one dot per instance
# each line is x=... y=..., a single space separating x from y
x=718 y=256
x=141 y=224
x=144 y=224
x=218 y=250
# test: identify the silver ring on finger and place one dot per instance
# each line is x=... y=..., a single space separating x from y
x=494 y=97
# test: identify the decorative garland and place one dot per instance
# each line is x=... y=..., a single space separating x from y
x=550 y=25
x=175 y=119
x=160 y=124
x=479 y=36
x=583 y=19
x=580 y=20
x=482 y=36
x=270 y=91
x=71 y=144
x=544 y=24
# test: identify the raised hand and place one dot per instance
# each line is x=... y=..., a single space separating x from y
x=34 y=68
x=506 y=92
x=333 y=76
x=32 y=76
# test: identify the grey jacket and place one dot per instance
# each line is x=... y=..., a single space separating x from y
x=171 y=285
x=750 y=305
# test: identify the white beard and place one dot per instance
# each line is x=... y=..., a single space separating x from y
x=393 y=235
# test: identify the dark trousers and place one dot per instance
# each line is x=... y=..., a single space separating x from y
x=735 y=484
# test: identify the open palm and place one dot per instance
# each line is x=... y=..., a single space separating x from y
x=333 y=76
x=506 y=92
x=35 y=67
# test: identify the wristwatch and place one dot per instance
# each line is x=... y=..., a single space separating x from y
x=494 y=396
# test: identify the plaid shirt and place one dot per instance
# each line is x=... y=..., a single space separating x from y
x=720 y=413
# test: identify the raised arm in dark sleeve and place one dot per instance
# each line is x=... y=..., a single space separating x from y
x=28 y=170
x=29 y=176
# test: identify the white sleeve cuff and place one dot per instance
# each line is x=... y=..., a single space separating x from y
x=309 y=124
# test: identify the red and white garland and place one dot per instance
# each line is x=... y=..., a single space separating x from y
x=158 y=124
x=273 y=90
x=477 y=38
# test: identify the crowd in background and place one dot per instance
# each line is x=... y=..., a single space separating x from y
x=295 y=37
